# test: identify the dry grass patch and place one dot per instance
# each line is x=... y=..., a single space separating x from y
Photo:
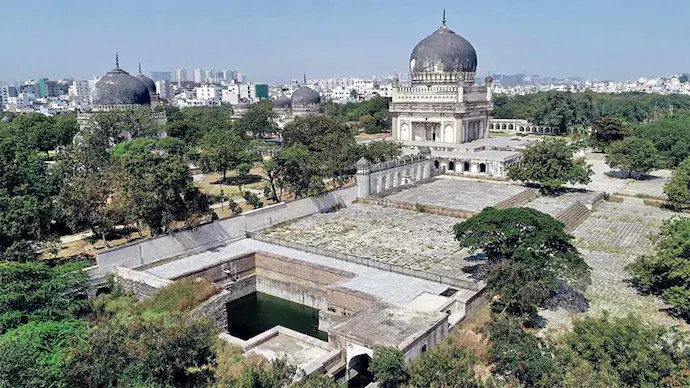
x=180 y=297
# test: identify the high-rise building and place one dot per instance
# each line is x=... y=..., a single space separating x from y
x=164 y=89
x=161 y=76
x=80 y=91
x=181 y=75
x=240 y=78
x=198 y=76
x=6 y=92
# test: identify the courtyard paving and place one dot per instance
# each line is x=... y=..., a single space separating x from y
x=458 y=194
x=552 y=205
x=419 y=241
x=611 y=238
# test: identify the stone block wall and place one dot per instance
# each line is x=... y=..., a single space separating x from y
x=140 y=284
x=215 y=309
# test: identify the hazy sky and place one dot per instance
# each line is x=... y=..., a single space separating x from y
x=278 y=40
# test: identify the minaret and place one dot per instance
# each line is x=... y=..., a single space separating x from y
x=117 y=61
x=443 y=22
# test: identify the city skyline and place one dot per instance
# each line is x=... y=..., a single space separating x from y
x=592 y=40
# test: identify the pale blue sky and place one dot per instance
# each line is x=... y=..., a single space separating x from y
x=275 y=41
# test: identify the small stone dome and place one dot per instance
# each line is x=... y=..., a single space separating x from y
x=443 y=51
x=150 y=85
x=282 y=102
x=306 y=96
x=118 y=87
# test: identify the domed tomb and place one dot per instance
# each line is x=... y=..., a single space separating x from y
x=120 y=89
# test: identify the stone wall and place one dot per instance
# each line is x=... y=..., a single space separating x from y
x=217 y=233
x=376 y=178
x=214 y=308
x=140 y=284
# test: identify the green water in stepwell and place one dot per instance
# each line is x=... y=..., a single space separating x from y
x=255 y=313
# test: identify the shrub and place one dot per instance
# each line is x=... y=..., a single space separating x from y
x=388 y=367
x=234 y=207
x=252 y=199
x=445 y=366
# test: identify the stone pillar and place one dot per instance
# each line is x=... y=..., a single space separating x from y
x=363 y=178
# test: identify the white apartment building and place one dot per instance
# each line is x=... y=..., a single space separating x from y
x=198 y=76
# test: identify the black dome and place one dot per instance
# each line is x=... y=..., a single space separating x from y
x=118 y=87
x=148 y=82
x=306 y=96
x=443 y=51
x=282 y=102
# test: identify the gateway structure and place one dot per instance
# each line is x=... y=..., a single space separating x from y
x=446 y=111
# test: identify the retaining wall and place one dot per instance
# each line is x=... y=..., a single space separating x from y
x=217 y=233
x=140 y=284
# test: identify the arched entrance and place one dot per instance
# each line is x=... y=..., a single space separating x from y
x=451 y=166
x=466 y=166
x=436 y=164
x=482 y=167
x=358 y=373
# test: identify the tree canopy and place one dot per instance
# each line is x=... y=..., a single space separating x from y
x=606 y=130
x=633 y=154
x=678 y=187
x=529 y=256
x=667 y=272
x=550 y=164
x=371 y=115
x=259 y=120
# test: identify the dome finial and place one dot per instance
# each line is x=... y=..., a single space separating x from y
x=305 y=79
x=444 y=17
x=140 y=69
x=117 y=61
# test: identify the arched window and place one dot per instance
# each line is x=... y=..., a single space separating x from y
x=451 y=166
x=466 y=166
x=482 y=167
x=503 y=126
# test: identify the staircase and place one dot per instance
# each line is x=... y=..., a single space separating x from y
x=573 y=216
x=518 y=200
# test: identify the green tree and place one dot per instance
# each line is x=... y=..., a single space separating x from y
x=671 y=138
x=379 y=151
x=157 y=189
x=27 y=189
x=223 y=151
x=271 y=176
x=115 y=126
x=34 y=354
x=606 y=130
x=632 y=154
x=678 y=187
x=637 y=354
x=144 y=352
x=259 y=120
x=317 y=381
x=529 y=255
x=550 y=164
x=444 y=366
x=388 y=367
x=298 y=171
x=520 y=355
x=37 y=292
x=326 y=139
x=667 y=273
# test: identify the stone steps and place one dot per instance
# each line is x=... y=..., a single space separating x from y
x=518 y=200
x=573 y=216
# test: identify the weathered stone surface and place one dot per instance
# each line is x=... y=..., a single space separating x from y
x=411 y=239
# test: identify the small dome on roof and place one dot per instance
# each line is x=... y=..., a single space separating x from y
x=282 y=102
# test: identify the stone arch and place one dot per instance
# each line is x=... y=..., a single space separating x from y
x=510 y=126
x=424 y=348
x=491 y=126
x=522 y=128
x=404 y=131
x=466 y=167
x=384 y=183
x=358 y=370
x=482 y=167
x=503 y=126
x=448 y=134
x=451 y=166
x=437 y=164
